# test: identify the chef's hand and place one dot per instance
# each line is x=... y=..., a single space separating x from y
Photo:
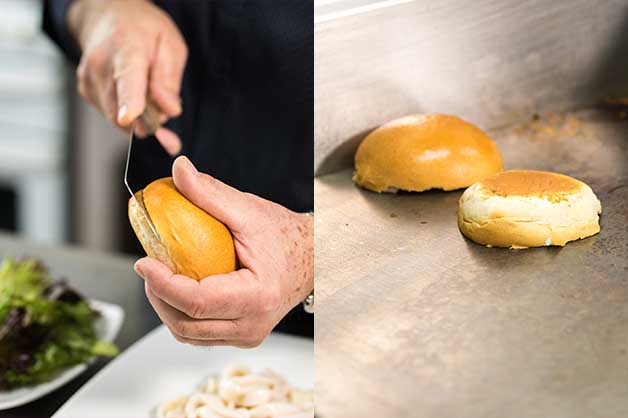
x=129 y=48
x=275 y=248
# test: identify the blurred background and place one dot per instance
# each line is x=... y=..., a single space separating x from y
x=61 y=164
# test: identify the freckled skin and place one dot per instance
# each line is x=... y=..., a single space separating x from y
x=288 y=255
x=304 y=241
x=275 y=250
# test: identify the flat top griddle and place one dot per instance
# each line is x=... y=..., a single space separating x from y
x=414 y=320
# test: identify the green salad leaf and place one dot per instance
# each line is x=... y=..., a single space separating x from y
x=45 y=326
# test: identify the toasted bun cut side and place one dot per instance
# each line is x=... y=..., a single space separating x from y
x=524 y=208
x=196 y=244
x=421 y=152
x=150 y=242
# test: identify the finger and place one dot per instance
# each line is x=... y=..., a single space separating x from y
x=168 y=102
x=85 y=82
x=199 y=329
x=230 y=206
x=89 y=88
x=213 y=343
x=108 y=102
x=131 y=78
x=166 y=74
x=87 y=94
x=223 y=296
x=83 y=90
x=169 y=140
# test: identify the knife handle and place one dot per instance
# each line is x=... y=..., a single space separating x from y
x=150 y=117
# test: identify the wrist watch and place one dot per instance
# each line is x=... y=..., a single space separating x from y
x=308 y=303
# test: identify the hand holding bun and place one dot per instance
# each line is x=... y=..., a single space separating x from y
x=422 y=152
x=522 y=208
x=274 y=248
x=193 y=243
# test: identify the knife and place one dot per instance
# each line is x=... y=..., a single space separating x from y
x=150 y=117
x=150 y=120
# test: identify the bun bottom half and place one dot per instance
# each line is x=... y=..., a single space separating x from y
x=512 y=233
x=150 y=242
x=524 y=208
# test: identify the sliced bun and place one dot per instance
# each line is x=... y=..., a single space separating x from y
x=523 y=208
x=421 y=152
x=193 y=243
x=150 y=242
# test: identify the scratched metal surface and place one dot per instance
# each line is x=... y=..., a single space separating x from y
x=414 y=320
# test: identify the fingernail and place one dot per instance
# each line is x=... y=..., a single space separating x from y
x=122 y=113
x=189 y=166
x=138 y=270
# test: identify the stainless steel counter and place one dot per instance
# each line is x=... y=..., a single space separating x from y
x=98 y=276
x=413 y=320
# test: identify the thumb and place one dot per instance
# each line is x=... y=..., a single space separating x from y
x=149 y=267
x=230 y=206
x=131 y=78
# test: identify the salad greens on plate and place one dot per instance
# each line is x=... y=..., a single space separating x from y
x=45 y=326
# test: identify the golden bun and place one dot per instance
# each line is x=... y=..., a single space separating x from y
x=421 y=152
x=193 y=243
x=525 y=208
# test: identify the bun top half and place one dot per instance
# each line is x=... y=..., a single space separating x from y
x=421 y=152
x=193 y=243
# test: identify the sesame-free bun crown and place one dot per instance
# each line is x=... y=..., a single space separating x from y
x=193 y=243
x=421 y=152
x=525 y=208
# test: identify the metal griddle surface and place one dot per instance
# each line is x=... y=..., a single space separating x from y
x=414 y=320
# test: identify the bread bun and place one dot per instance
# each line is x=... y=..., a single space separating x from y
x=193 y=243
x=422 y=152
x=522 y=208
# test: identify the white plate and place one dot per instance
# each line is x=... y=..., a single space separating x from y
x=158 y=368
x=107 y=328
